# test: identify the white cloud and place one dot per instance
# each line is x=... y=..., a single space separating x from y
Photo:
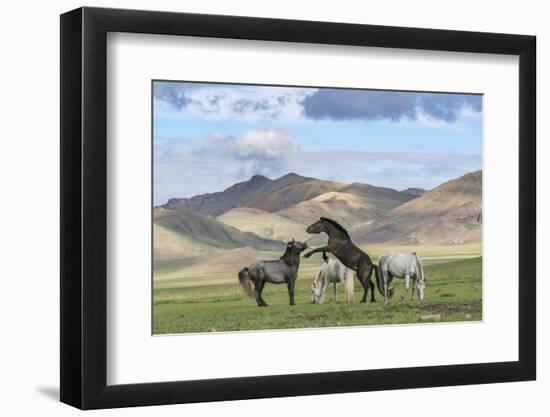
x=270 y=144
x=263 y=144
x=183 y=169
x=232 y=102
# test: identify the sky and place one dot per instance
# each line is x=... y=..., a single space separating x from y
x=209 y=136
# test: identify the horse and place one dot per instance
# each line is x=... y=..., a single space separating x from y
x=284 y=270
x=402 y=265
x=334 y=272
x=340 y=245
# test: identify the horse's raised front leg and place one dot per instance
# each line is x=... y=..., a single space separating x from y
x=322 y=249
x=290 y=284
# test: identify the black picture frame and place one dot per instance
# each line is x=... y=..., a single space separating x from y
x=84 y=207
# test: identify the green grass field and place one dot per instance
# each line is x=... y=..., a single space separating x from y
x=453 y=293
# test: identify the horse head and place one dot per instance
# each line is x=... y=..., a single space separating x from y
x=316 y=293
x=421 y=279
x=295 y=246
x=420 y=288
x=330 y=227
x=315 y=228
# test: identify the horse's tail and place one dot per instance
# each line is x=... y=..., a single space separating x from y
x=380 y=283
x=244 y=280
x=349 y=286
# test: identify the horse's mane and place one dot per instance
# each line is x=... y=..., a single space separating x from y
x=287 y=250
x=336 y=225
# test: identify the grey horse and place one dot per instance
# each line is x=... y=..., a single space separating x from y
x=284 y=270
x=402 y=265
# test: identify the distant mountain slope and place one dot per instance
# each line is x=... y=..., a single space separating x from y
x=352 y=205
x=416 y=192
x=264 y=224
x=170 y=244
x=187 y=233
x=261 y=213
x=228 y=262
x=380 y=195
x=381 y=199
x=258 y=192
x=450 y=213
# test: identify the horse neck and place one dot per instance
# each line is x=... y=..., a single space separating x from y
x=420 y=270
x=320 y=278
x=290 y=258
x=334 y=233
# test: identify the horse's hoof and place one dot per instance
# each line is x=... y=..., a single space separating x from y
x=363 y=301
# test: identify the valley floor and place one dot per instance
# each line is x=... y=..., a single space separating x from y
x=215 y=302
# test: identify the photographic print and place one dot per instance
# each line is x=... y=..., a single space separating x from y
x=288 y=207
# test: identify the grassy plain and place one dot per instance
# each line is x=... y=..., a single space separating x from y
x=192 y=301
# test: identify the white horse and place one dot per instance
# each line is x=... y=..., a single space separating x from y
x=332 y=271
x=402 y=265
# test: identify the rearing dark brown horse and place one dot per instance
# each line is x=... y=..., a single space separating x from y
x=340 y=245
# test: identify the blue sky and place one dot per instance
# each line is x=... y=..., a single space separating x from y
x=209 y=136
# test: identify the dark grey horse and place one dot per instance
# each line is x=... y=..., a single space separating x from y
x=284 y=270
x=340 y=245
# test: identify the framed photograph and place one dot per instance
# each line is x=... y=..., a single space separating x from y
x=256 y=207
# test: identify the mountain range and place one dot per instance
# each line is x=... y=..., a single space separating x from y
x=258 y=192
x=449 y=214
x=263 y=213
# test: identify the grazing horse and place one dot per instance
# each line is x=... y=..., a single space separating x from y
x=340 y=245
x=334 y=272
x=402 y=265
x=284 y=270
